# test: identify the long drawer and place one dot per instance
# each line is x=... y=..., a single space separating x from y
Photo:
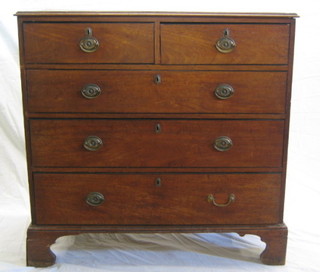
x=88 y=42
x=162 y=199
x=156 y=143
x=248 y=43
x=140 y=92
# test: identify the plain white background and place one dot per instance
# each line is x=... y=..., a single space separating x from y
x=213 y=252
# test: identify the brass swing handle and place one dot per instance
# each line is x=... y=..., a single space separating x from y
x=88 y=43
x=231 y=199
x=226 y=44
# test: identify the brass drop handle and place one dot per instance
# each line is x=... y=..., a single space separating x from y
x=92 y=143
x=88 y=43
x=223 y=143
x=95 y=199
x=224 y=91
x=226 y=44
x=91 y=91
x=231 y=199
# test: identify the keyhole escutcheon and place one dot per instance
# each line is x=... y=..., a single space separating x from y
x=158 y=182
x=157 y=79
x=158 y=128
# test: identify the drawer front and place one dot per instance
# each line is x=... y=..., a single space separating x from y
x=152 y=199
x=196 y=43
x=156 y=143
x=60 y=42
x=138 y=91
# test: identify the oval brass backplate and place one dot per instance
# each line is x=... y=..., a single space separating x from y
x=92 y=143
x=223 y=143
x=95 y=199
x=224 y=91
x=91 y=91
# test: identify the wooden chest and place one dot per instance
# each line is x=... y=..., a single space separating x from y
x=156 y=122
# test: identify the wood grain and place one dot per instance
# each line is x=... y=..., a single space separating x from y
x=134 y=143
x=135 y=199
x=40 y=237
x=59 y=43
x=195 y=44
x=136 y=91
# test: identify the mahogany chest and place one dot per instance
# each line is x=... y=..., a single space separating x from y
x=156 y=122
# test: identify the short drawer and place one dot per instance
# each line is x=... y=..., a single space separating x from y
x=156 y=143
x=140 y=92
x=73 y=42
x=160 y=199
x=250 y=43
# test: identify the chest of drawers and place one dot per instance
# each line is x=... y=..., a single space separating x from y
x=156 y=122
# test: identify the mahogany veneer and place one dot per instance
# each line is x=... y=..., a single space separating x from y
x=156 y=122
x=179 y=91
x=178 y=200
